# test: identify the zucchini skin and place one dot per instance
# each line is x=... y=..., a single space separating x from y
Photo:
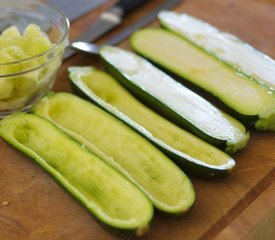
x=184 y=161
x=261 y=118
x=160 y=107
x=197 y=169
x=60 y=176
x=182 y=197
x=227 y=39
x=173 y=116
x=221 y=45
x=247 y=120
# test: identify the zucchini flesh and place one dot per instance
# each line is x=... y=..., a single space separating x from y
x=168 y=188
x=108 y=195
x=172 y=99
x=188 y=151
x=224 y=46
x=248 y=98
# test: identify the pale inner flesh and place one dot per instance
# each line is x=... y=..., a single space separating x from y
x=175 y=98
x=160 y=179
x=223 y=45
x=238 y=92
x=108 y=89
x=102 y=189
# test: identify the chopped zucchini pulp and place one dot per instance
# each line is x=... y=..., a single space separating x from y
x=224 y=46
x=195 y=155
x=107 y=194
x=164 y=183
x=172 y=99
x=245 y=96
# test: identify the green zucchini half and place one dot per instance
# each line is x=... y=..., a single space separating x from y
x=224 y=46
x=108 y=195
x=168 y=188
x=192 y=154
x=170 y=98
x=248 y=99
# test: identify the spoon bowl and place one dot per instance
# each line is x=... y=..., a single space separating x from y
x=86 y=47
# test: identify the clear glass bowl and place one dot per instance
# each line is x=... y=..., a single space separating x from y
x=24 y=81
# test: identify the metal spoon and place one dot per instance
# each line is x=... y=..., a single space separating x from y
x=86 y=47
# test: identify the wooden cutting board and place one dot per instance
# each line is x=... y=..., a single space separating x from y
x=33 y=206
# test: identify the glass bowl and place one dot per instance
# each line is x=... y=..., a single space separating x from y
x=24 y=80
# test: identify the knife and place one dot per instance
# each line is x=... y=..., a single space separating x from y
x=90 y=48
x=73 y=10
x=69 y=8
x=106 y=21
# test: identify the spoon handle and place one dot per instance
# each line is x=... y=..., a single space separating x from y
x=127 y=6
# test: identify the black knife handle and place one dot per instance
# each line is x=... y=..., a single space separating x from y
x=128 y=6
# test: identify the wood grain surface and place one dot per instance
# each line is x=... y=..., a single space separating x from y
x=33 y=206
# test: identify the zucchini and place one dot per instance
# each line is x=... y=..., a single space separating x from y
x=178 y=103
x=168 y=188
x=189 y=152
x=224 y=46
x=250 y=101
x=108 y=195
